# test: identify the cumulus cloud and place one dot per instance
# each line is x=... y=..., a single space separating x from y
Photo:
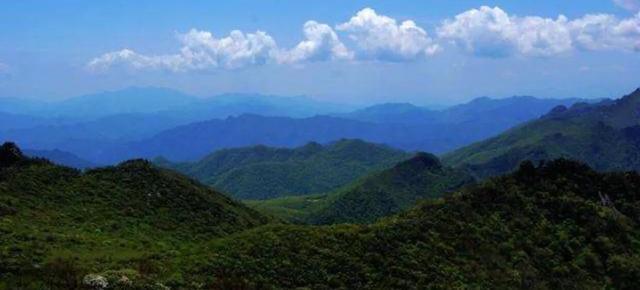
x=485 y=31
x=321 y=43
x=630 y=5
x=200 y=50
x=492 y=32
x=381 y=37
x=606 y=32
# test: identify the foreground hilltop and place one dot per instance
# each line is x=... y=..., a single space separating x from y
x=605 y=135
x=103 y=217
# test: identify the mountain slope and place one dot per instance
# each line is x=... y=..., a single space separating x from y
x=604 y=135
x=262 y=172
x=375 y=196
x=116 y=214
x=559 y=226
x=391 y=191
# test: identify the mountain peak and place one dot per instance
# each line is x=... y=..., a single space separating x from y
x=633 y=97
x=10 y=154
x=421 y=161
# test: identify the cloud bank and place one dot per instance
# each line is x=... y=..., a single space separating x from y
x=381 y=37
x=484 y=32
x=492 y=32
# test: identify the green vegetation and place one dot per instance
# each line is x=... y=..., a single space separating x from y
x=377 y=195
x=262 y=172
x=56 y=220
x=560 y=225
x=605 y=135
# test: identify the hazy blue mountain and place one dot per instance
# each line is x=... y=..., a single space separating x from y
x=61 y=158
x=393 y=113
x=261 y=172
x=194 y=127
x=226 y=105
x=130 y=100
x=194 y=141
x=145 y=100
x=21 y=106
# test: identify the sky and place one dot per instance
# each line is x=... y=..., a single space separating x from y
x=360 y=52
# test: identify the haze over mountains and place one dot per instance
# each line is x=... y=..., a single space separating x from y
x=114 y=126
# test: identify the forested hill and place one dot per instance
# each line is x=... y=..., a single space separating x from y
x=558 y=226
x=391 y=191
x=261 y=172
x=124 y=212
x=605 y=135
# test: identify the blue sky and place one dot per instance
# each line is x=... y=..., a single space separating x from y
x=425 y=52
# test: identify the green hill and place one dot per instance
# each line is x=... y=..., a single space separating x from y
x=378 y=195
x=112 y=217
x=262 y=172
x=604 y=135
x=559 y=226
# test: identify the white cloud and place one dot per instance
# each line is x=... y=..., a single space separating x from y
x=492 y=32
x=630 y=5
x=380 y=37
x=200 y=50
x=606 y=32
x=321 y=43
x=484 y=31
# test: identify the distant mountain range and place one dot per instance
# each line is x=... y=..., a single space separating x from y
x=61 y=158
x=262 y=172
x=605 y=135
x=169 y=102
x=111 y=127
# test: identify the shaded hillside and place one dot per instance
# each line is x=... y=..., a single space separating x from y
x=560 y=226
x=605 y=135
x=262 y=172
x=103 y=217
x=378 y=195
x=391 y=191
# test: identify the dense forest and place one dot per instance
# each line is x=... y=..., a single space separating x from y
x=133 y=226
x=261 y=172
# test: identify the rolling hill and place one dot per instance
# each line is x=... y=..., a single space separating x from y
x=133 y=226
x=605 y=135
x=105 y=216
x=262 y=172
x=378 y=195
x=557 y=226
